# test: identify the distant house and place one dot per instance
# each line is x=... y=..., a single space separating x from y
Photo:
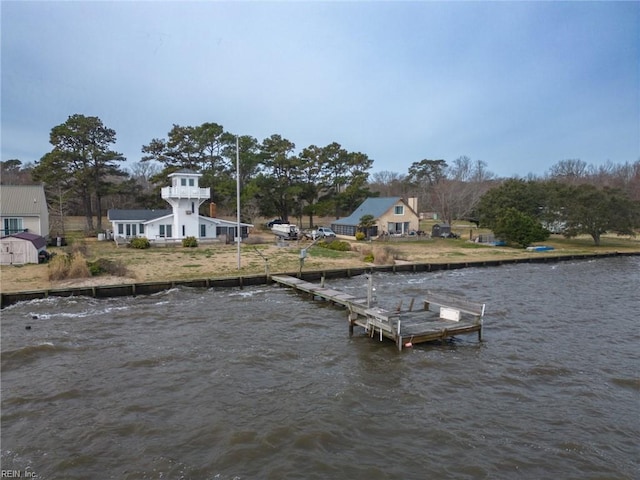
x=23 y=208
x=182 y=220
x=392 y=215
x=21 y=248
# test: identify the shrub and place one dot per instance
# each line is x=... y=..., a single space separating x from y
x=58 y=267
x=360 y=236
x=78 y=267
x=103 y=266
x=190 y=242
x=516 y=227
x=368 y=258
x=140 y=242
x=337 y=245
x=385 y=255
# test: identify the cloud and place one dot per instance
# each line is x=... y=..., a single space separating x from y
x=519 y=85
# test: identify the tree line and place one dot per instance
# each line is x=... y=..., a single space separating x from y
x=83 y=175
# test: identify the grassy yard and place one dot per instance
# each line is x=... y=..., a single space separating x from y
x=262 y=252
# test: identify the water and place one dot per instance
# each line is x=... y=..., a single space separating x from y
x=261 y=383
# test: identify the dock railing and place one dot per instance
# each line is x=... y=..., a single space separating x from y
x=455 y=303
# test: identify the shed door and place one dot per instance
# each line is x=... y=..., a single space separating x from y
x=6 y=257
x=14 y=251
x=20 y=252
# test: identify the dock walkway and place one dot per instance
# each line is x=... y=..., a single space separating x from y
x=439 y=318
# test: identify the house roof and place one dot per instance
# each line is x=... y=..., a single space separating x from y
x=376 y=206
x=22 y=200
x=37 y=240
x=137 y=215
x=150 y=215
x=185 y=171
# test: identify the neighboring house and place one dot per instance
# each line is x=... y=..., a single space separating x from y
x=392 y=215
x=23 y=208
x=21 y=248
x=185 y=197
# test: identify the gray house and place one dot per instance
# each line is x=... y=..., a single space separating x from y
x=23 y=208
x=392 y=215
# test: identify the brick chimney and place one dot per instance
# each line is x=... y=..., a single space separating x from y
x=212 y=210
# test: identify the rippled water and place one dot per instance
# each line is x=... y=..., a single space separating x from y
x=262 y=383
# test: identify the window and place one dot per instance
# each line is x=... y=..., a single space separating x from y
x=183 y=182
x=399 y=210
x=128 y=226
x=193 y=207
x=203 y=230
x=161 y=232
x=191 y=182
x=121 y=229
x=183 y=231
x=141 y=228
x=169 y=232
x=12 y=225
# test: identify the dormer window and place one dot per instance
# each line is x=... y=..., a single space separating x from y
x=183 y=182
x=191 y=182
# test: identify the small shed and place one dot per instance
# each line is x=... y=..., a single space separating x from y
x=21 y=248
x=441 y=230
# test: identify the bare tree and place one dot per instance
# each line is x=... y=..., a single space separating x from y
x=571 y=171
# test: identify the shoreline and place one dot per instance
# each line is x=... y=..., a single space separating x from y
x=148 y=288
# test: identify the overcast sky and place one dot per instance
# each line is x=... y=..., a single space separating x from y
x=518 y=85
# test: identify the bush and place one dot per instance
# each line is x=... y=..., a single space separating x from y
x=385 y=255
x=78 y=267
x=368 y=258
x=360 y=236
x=58 y=267
x=516 y=227
x=103 y=266
x=337 y=245
x=140 y=242
x=190 y=242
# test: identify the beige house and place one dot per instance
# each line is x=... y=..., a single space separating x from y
x=23 y=208
x=392 y=215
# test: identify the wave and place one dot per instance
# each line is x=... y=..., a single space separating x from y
x=28 y=354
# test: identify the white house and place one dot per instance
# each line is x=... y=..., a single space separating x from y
x=23 y=208
x=183 y=220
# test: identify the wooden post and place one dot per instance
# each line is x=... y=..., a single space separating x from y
x=411 y=304
x=352 y=317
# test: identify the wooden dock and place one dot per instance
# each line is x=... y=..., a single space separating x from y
x=438 y=318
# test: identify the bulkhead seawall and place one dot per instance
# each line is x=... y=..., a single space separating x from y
x=148 y=288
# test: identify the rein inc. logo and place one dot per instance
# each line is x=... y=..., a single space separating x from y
x=26 y=473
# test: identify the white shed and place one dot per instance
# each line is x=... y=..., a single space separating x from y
x=21 y=248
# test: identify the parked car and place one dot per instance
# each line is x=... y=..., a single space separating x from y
x=275 y=221
x=325 y=232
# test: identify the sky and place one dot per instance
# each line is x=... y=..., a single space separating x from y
x=519 y=86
